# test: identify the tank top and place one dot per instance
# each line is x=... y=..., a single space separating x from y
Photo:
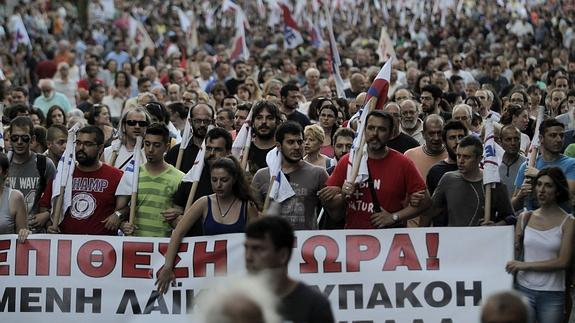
x=211 y=227
x=542 y=245
x=7 y=222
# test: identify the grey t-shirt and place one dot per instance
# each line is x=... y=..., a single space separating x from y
x=508 y=173
x=464 y=201
x=25 y=178
x=300 y=210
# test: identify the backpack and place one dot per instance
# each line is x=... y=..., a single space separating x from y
x=41 y=167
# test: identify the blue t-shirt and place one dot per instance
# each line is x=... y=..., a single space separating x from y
x=567 y=165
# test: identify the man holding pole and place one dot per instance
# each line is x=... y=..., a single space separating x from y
x=95 y=208
x=133 y=123
x=157 y=183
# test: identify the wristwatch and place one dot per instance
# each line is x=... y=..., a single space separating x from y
x=118 y=214
x=395 y=217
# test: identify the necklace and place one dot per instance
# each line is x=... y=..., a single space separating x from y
x=220 y=209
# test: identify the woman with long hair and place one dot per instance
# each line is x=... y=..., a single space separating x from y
x=228 y=210
x=118 y=94
x=13 y=217
x=518 y=116
x=253 y=86
x=328 y=122
x=546 y=235
x=99 y=116
x=55 y=115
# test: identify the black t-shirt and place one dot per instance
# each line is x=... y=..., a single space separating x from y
x=306 y=305
x=300 y=118
x=181 y=198
x=257 y=158
x=402 y=143
x=188 y=158
x=433 y=176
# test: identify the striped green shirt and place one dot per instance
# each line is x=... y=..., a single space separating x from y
x=154 y=196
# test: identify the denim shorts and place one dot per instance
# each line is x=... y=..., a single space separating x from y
x=546 y=306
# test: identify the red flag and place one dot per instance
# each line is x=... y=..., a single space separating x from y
x=380 y=86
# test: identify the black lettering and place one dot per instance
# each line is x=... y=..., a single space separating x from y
x=378 y=297
x=129 y=297
x=189 y=300
x=156 y=298
x=445 y=290
x=64 y=303
x=8 y=299
x=176 y=301
x=26 y=298
x=327 y=290
x=462 y=293
x=402 y=294
x=358 y=295
x=95 y=300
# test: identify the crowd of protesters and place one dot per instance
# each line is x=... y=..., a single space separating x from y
x=455 y=65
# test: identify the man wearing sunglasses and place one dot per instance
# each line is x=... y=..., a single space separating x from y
x=132 y=124
x=29 y=172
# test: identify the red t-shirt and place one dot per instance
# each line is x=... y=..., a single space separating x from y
x=394 y=178
x=93 y=200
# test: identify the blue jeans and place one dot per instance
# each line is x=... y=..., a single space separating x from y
x=546 y=307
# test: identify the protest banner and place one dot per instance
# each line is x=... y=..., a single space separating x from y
x=403 y=275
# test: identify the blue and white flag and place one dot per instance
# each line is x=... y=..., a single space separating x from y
x=491 y=158
x=281 y=189
x=292 y=36
x=129 y=182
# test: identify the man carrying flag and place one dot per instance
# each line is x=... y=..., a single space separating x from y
x=93 y=206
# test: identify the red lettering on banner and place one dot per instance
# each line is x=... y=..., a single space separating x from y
x=42 y=249
x=4 y=245
x=64 y=257
x=360 y=248
x=132 y=258
x=330 y=264
x=218 y=257
x=179 y=272
x=401 y=253
x=96 y=258
x=432 y=242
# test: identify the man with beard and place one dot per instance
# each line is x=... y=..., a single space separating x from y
x=218 y=145
x=157 y=183
x=398 y=140
x=512 y=159
x=95 y=208
x=376 y=203
x=133 y=124
x=201 y=117
x=289 y=96
x=411 y=125
x=305 y=179
x=551 y=134
x=265 y=119
x=430 y=98
x=241 y=70
x=29 y=172
x=268 y=248
x=457 y=69
x=431 y=152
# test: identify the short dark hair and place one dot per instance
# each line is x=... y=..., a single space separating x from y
x=55 y=130
x=276 y=228
x=93 y=112
x=22 y=122
x=40 y=134
x=434 y=90
x=244 y=107
x=14 y=109
x=472 y=141
x=287 y=88
x=158 y=110
x=381 y=114
x=95 y=87
x=143 y=80
x=342 y=132
x=19 y=89
x=259 y=106
x=217 y=132
x=289 y=127
x=178 y=108
x=91 y=129
x=228 y=112
x=558 y=177
x=453 y=125
x=548 y=123
x=159 y=129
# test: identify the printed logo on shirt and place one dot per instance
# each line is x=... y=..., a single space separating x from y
x=89 y=184
x=83 y=206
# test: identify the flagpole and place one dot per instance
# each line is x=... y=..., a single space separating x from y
x=191 y=196
x=487 y=209
x=357 y=158
x=267 y=200
x=58 y=210
x=180 y=156
x=135 y=180
x=246 y=151
x=113 y=158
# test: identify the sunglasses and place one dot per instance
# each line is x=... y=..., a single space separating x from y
x=133 y=123
x=16 y=138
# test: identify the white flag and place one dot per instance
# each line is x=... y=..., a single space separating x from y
x=138 y=36
x=129 y=182
x=281 y=189
x=188 y=133
x=243 y=138
x=490 y=155
x=363 y=173
x=64 y=173
x=18 y=31
x=535 y=142
x=194 y=174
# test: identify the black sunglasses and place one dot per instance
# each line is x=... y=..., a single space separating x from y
x=25 y=138
x=133 y=123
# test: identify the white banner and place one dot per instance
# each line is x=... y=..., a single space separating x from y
x=406 y=275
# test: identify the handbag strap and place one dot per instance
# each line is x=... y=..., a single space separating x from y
x=525 y=221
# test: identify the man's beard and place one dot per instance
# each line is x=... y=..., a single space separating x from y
x=451 y=153
x=264 y=136
x=409 y=124
x=87 y=161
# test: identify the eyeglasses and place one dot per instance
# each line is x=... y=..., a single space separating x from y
x=25 y=138
x=133 y=123
x=202 y=121
x=87 y=144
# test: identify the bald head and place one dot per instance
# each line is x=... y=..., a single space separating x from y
x=505 y=307
x=357 y=81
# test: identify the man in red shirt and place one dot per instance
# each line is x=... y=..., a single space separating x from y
x=95 y=207
x=393 y=178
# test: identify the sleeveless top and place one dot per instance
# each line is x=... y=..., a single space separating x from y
x=211 y=227
x=542 y=245
x=7 y=223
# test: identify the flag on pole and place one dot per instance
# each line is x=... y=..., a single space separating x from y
x=380 y=85
x=138 y=36
x=64 y=173
x=239 y=48
x=385 y=48
x=281 y=189
x=491 y=156
x=232 y=6
x=363 y=173
x=335 y=59
x=18 y=31
x=194 y=174
x=315 y=32
x=129 y=182
x=292 y=36
x=188 y=133
x=242 y=138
